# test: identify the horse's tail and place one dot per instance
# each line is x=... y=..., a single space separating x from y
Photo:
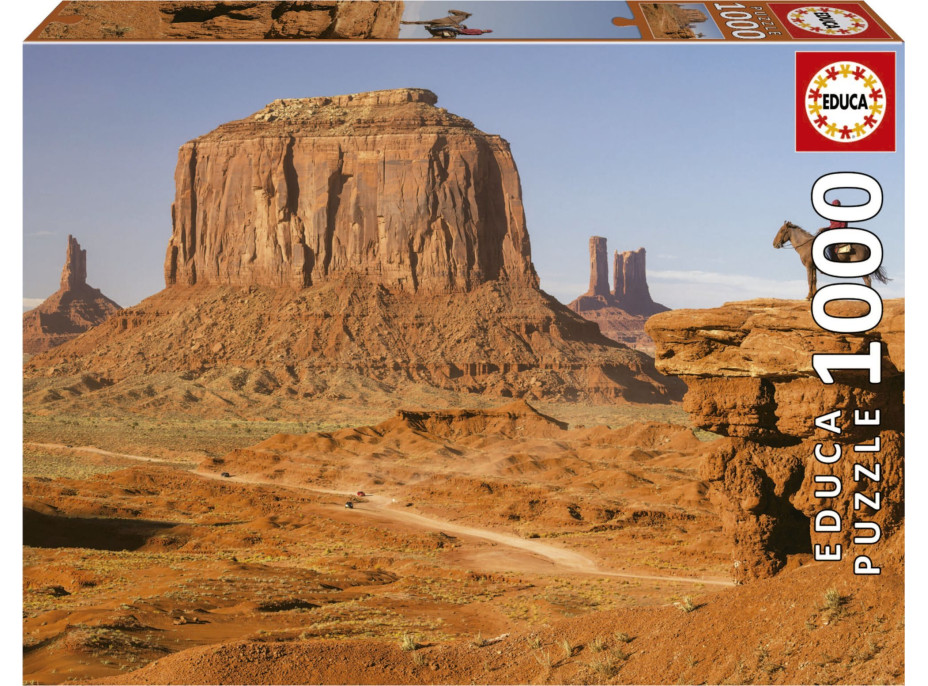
x=880 y=275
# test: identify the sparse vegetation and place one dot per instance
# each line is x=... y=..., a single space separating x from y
x=408 y=642
x=605 y=667
x=598 y=644
x=543 y=658
x=687 y=605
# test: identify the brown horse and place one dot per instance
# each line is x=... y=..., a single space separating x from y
x=801 y=241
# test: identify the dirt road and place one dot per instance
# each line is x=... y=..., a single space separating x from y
x=98 y=451
x=565 y=560
x=382 y=506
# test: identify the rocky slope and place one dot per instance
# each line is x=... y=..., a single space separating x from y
x=748 y=368
x=230 y=20
x=622 y=311
x=74 y=308
x=344 y=246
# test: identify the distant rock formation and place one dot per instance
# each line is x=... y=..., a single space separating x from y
x=693 y=16
x=74 y=272
x=230 y=20
x=621 y=312
x=748 y=367
x=599 y=268
x=338 y=246
x=668 y=20
x=383 y=184
x=73 y=309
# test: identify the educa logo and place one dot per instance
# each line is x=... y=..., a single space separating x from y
x=847 y=102
x=828 y=21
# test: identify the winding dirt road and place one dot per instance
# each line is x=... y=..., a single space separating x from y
x=566 y=560
x=380 y=506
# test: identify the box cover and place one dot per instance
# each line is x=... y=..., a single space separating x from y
x=324 y=394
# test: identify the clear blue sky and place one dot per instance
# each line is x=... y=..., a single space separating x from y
x=683 y=149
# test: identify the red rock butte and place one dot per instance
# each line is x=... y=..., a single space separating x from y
x=334 y=244
x=383 y=184
x=74 y=308
x=622 y=310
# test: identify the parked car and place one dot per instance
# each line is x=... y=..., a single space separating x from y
x=226 y=475
x=349 y=505
x=361 y=494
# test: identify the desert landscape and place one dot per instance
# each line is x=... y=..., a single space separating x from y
x=671 y=21
x=353 y=441
x=148 y=20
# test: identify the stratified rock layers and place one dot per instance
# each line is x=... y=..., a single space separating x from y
x=71 y=310
x=330 y=19
x=748 y=368
x=250 y=20
x=382 y=184
x=599 y=268
x=334 y=247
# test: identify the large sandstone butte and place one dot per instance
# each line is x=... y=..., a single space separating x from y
x=748 y=368
x=382 y=184
x=346 y=247
x=622 y=311
x=669 y=20
x=228 y=20
x=74 y=308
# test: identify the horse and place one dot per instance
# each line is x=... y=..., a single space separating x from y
x=801 y=240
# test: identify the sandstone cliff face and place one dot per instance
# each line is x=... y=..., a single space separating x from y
x=383 y=184
x=621 y=312
x=748 y=370
x=599 y=268
x=73 y=309
x=630 y=283
x=229 y=20
x=338 y=247
x=74 y=272
x=344 y=19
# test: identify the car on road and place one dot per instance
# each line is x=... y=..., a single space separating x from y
x=226 y=475
x=349 y=505
x=361 y=494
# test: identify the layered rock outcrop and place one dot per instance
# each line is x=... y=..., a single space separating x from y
x=622 y=311
x=74 y=308
x=669 y=20
x=599 y=268
x=327 y=19
x=229 y=20
x=342 y=247
x=383 y=184
x=748 y=368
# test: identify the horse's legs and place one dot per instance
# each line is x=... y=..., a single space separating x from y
x=813 y=279
x=867 y=281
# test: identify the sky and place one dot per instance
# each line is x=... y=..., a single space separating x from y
x=684 y=150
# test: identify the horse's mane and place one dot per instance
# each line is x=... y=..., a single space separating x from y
x=798 y=229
